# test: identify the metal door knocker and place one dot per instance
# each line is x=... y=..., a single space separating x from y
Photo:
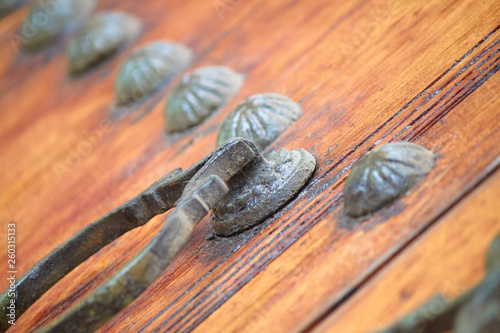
x=235 y=180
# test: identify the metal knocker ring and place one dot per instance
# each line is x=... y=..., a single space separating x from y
x=235 y=180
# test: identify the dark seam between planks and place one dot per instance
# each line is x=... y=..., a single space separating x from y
x=317 y=199
x=461 y=98
x=206 y=50
x=217 y=289
x=411 y=102
x=292 y=238
x=382 y=266
x=337 y=163
x=428 y=124
x=315 y=219
x=430 y=96
x=423 y=114
x=446 y=111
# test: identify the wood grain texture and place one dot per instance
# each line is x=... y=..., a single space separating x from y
x=449 y=259
x=365 y=72
x=319 y=271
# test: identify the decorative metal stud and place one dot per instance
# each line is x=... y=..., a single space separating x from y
x=147 y=68
x=103 y=35
x=384 y=175
x=260 y=118
x=199 y=94
x=8 y=6
x=49 y=19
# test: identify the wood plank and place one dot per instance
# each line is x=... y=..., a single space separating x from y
x=333 y=258
x=449 y=259
x=364 y=71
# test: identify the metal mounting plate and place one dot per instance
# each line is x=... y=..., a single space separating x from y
x=261 y=188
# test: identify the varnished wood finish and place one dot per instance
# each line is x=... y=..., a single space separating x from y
x=448 y=260
x=365 y=72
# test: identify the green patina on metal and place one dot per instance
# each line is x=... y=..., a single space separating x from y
x=49 y=19
x=493 y=255
x=384 y=175
x=8 y=6
x=103 y=35
x=147 y=68
x=156 y=199
x=261 y=189
x=260 y=118
x=199 y=94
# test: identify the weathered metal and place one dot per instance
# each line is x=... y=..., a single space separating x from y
x=149 y=67
x=493 y=255
x=199 y=94
x=48 y=20
x=115 y=294
x=261 y=189
x=384 y=175
x=194 y=192
x=8 y=6
x=103 y=35
x=261 y=118
x=156 y=199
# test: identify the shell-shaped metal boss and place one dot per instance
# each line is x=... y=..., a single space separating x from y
x=260 y=118
x=8 y=6
x=261 y=189
x=383 y=175
x=104 y=34
x=198 y=95
x=48 y=19
x=149 y=67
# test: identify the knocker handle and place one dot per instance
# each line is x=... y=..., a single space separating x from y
x=205 y=190
x=156 y=199
x=255 y=186
x=115 y=294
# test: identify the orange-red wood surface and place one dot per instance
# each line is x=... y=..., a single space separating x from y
x=365 y=72
x=425 y=268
